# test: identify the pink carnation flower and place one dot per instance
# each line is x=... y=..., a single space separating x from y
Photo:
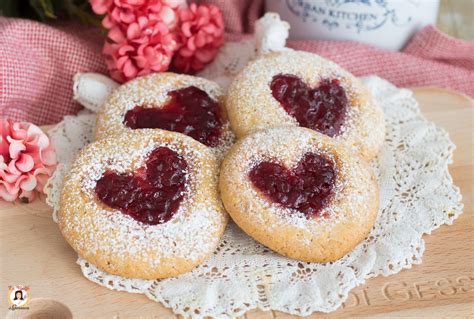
x=146 y=46
x=145 y=35
x=27 y=160
x=201 y=33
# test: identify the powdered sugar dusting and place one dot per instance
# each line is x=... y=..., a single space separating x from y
x=193 y=231
x=245 y=275
x=152 y=91
x=252 y=107
x=286 y=146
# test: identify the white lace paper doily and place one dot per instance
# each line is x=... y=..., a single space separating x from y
x=417 y=195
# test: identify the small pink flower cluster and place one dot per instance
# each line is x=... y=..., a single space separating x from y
x=27 y=160
x=146 y=36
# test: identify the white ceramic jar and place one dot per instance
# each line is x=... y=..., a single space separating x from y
x=387 y=24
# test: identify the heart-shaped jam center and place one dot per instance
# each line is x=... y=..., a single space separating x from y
x=190 y=111
x=153 y=193
x=307 y=187
x=322 y=109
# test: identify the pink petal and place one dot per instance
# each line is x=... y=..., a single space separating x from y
x=13 y=188
x=141 y=61
x=42 y=141
x=9 y=177
x=162 y=28
x=29 y=183
x=168 y=15
x=200 y=39
x=156 y=7
x=121 y=62
x=16 y=147
x=202 y=21
x=3 y=165
x=142 y=22
x=162 y=65
x=7 y=196
x=32 y=144
x=125 y=49
x=149 y=53
x=141 y=40
x=116 y=35
x=133 y=31
x=48 y=157
x=203 y=11
x=186 y=29
x=40 y=171
x=12 y=169
x=18 y=130
x=25 y=163
x=127 y=16
x=210 y=28
x=4 y=148
x=100 y=6
x=190 y=44
x=185 y=15
x=34 y=130
x=185 y=52
x=107 y=22
x=129 y=69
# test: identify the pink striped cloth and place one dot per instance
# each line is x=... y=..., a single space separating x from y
x=38 y=61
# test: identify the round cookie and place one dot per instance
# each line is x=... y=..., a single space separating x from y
x=175 y=102
x=296 y=88
x=143 y=204
x=300 y=193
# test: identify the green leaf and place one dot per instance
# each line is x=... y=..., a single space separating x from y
x=48 y=8
x=44 y=8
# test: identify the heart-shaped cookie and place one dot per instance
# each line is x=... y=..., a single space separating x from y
x=322 y=108
x=190 y=111
x=150 y=195
x=306 y=188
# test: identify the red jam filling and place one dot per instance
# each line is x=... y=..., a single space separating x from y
x=153 y=193
x=189 y=111
x=322 y=109
x=307 y=187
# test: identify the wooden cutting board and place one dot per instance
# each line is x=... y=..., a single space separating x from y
x=33 y=253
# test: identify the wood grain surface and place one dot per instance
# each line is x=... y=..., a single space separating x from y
x=34 y=254
x=456 y=18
